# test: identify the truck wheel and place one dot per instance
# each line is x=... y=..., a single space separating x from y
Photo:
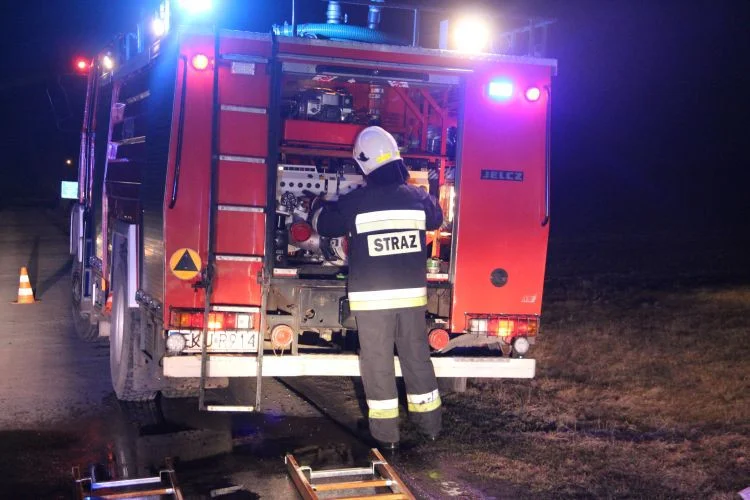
x=449 y=385
x=179 y=391
x=85 y=329
x=130 y=379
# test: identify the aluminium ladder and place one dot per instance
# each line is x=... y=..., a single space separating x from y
x=165 y=483
x=379 y=476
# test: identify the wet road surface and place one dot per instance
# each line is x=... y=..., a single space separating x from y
x=57 y=409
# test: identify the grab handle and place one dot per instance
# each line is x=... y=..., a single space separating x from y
x=547 y=157
x=180 y=133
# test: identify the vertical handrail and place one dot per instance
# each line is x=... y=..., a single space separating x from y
x=180 y=133
x=212 y=196
x=274 y=128
x=85 y=130
x=547 y=157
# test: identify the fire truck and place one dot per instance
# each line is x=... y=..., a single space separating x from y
x=201 y=151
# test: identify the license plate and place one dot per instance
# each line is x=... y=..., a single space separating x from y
x=223 y=341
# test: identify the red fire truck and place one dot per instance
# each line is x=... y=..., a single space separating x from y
x=202 y=148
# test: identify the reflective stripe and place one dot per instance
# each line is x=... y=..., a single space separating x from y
x=383 y=225
x=314 y=221
x=423 y=398
x=387 y=299
x=426 y=406
x=24 y=278
x=382 y=404
x=25 y=292
x=390 y=219
x=379 y=305
x=391 y=413
x=397 y=293
x=383 y=158
x=422 y=403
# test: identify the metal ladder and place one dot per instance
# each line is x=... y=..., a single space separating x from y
x=207 y=281
x=381 y=476
x=165 y=483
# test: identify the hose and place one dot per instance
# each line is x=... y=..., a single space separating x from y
x=339 y=31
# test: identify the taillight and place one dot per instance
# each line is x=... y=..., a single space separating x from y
x=479 y=325
x=196 y=320
x=216 y=320
x=244 y=322
x=507 y=327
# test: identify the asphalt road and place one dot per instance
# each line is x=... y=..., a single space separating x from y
x=57 y=408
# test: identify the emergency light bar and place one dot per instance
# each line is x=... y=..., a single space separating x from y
x=471 y=35
x=158 y=27
x=193 y=7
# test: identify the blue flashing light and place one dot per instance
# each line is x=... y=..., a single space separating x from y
x=158 y=27
x=196 y=6
x=501 y=89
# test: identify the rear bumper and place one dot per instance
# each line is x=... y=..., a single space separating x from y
x=336 y=365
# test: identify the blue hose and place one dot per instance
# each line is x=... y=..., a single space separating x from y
x=341 y=32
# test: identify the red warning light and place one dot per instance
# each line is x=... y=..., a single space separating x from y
x=81 y=65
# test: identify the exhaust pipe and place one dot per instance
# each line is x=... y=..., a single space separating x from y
x=333 y=14
x=373 y=17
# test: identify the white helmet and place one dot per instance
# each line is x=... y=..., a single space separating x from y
x=374 y=148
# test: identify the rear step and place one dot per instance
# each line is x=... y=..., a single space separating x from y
x=225 y=400
x=218 y=400
x=379 y=476
x=230 y=408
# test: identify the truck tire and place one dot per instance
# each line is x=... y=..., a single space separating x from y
x=86 y=330
x=450 y=385
x=130 y=378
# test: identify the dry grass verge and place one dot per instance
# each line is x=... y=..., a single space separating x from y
x=641 y=392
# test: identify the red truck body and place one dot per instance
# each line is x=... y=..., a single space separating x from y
x=190 y=181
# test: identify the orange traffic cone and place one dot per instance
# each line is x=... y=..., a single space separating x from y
x=25 y=294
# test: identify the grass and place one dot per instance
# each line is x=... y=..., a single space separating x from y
x=642 y=387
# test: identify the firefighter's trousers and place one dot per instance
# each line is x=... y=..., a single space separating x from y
x=378 y=332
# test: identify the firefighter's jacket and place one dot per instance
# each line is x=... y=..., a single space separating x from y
x=387 y=251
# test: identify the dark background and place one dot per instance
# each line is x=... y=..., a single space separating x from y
x=650 y=106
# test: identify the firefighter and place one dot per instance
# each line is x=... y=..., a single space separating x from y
x=386 y=222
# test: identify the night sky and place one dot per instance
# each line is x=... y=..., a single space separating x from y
x=650 y=125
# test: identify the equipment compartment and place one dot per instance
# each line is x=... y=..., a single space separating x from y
x=321 y=116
